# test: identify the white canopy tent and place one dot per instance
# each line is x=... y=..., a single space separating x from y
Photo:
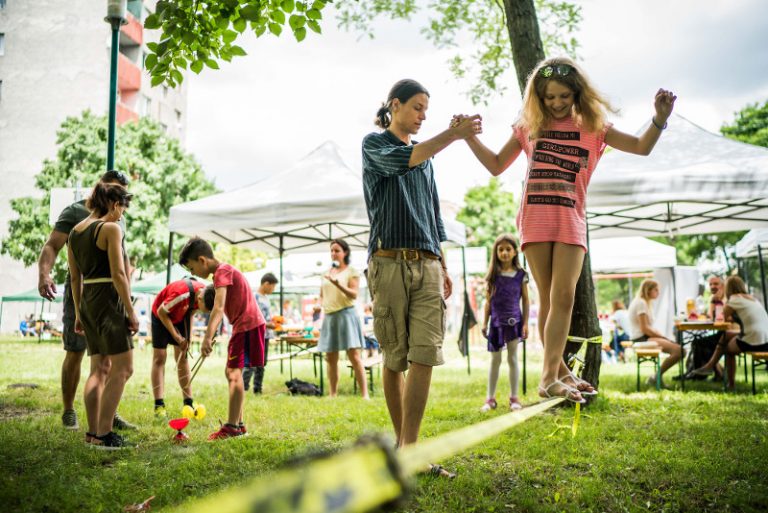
x=628 y=254
x=318 y=199
x=756 y=240
x=694 y=182
x=755 y=244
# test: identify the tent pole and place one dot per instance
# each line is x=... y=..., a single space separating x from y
x=170 y=259
x=465 y=313
x=762 y=273
x=674 y=290
x=282 y=250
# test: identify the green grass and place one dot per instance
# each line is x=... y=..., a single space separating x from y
x=703 y=450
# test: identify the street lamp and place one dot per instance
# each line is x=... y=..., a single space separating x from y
x=115 y=17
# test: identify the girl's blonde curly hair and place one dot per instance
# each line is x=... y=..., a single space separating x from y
x=589 y=108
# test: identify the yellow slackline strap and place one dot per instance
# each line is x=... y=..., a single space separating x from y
x=354 y=481
x=416 y=458
x=92 y=281
x=594 y=340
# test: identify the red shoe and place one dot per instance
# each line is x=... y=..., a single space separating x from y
x=226 y=431
x=243 y=431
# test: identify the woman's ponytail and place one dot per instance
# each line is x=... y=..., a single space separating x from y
x=383 y=117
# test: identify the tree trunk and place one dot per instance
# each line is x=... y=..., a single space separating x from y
x=527 y=52
x=524 y=36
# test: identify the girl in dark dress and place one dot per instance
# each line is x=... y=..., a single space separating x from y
x=506 y=307
x=103 y=309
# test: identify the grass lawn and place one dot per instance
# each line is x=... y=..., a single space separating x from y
x=702 y=450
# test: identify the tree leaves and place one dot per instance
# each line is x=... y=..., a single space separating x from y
x=162 y=175
x=488 y=212
x=199 y=33
x=486 y=61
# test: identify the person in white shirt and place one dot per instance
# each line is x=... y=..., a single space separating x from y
x=749 y=313
x=642 y=330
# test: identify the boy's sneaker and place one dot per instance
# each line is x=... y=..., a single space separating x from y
x=69 y=420
x=111 y=442
x=514 y=403
x=160 y=413
x=490 y=404
x=120 y=423
x=226 y=431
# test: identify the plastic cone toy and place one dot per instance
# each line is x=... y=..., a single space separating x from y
x=178 y=424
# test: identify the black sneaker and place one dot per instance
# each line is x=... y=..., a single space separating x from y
x=111 y=442
x=69 y=420
x=120 y=423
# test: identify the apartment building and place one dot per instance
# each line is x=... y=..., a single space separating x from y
x=54 y=63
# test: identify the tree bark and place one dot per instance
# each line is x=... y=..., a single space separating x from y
x=527 y=52
x=524 y=36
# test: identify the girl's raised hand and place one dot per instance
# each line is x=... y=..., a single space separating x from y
x=664 y=102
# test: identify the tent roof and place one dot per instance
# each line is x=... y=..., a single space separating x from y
x=630 y=254
x=747 y=246
x=693 y=182
x=317 y=199
x=32 y=295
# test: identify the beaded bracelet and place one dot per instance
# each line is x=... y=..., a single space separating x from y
x=653 y=120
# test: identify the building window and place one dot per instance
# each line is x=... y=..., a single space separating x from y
x=165 y=91
x=1 y=84
x=2 y=43
x=165 y=127
x=145 y=105
x=2 y=4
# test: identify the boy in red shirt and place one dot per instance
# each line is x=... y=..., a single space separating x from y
x=171 y=319
x=230 y=294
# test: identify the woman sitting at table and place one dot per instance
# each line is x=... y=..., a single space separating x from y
x=641 y=326
x=749 y=313
x=341 y=328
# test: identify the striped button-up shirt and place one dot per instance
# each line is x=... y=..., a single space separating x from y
x=402 y=203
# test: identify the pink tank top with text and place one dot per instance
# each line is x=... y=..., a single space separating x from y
x=560 y=164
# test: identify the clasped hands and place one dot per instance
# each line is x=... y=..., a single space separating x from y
x=466 y=126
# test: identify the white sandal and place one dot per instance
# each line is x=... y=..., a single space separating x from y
x=568 y=389
x=582 y=382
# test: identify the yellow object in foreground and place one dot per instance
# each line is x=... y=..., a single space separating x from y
x=187 y=412
x=356 y=480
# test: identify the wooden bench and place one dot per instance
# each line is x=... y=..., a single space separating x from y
x=368 y=365
x=648 y=354
x=758 y=360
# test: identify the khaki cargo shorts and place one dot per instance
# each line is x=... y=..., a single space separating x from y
x=408 y=310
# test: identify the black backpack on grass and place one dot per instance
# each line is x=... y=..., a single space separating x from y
x=299 y=387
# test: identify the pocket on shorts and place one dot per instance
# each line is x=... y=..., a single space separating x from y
x=384 y=326
x=443 y=308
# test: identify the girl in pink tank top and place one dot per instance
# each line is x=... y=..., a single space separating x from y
x=563 y=132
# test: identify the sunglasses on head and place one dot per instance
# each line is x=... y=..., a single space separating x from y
x=118 y=176
x=561 y=70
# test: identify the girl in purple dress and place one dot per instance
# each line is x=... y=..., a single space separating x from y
x=506 y=307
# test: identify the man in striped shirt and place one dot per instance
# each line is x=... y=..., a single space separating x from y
x=406 y=272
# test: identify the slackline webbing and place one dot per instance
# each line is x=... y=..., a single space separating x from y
x=356 y=480
x=593 y=340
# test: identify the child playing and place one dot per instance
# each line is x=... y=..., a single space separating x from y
x=507 y=286
x=563 y=132
x=266 y=287
x=171 y=324
x=229 y=294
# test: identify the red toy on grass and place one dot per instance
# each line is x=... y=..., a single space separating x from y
x=178 y=424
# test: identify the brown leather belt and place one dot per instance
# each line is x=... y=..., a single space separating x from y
x=406 y=254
